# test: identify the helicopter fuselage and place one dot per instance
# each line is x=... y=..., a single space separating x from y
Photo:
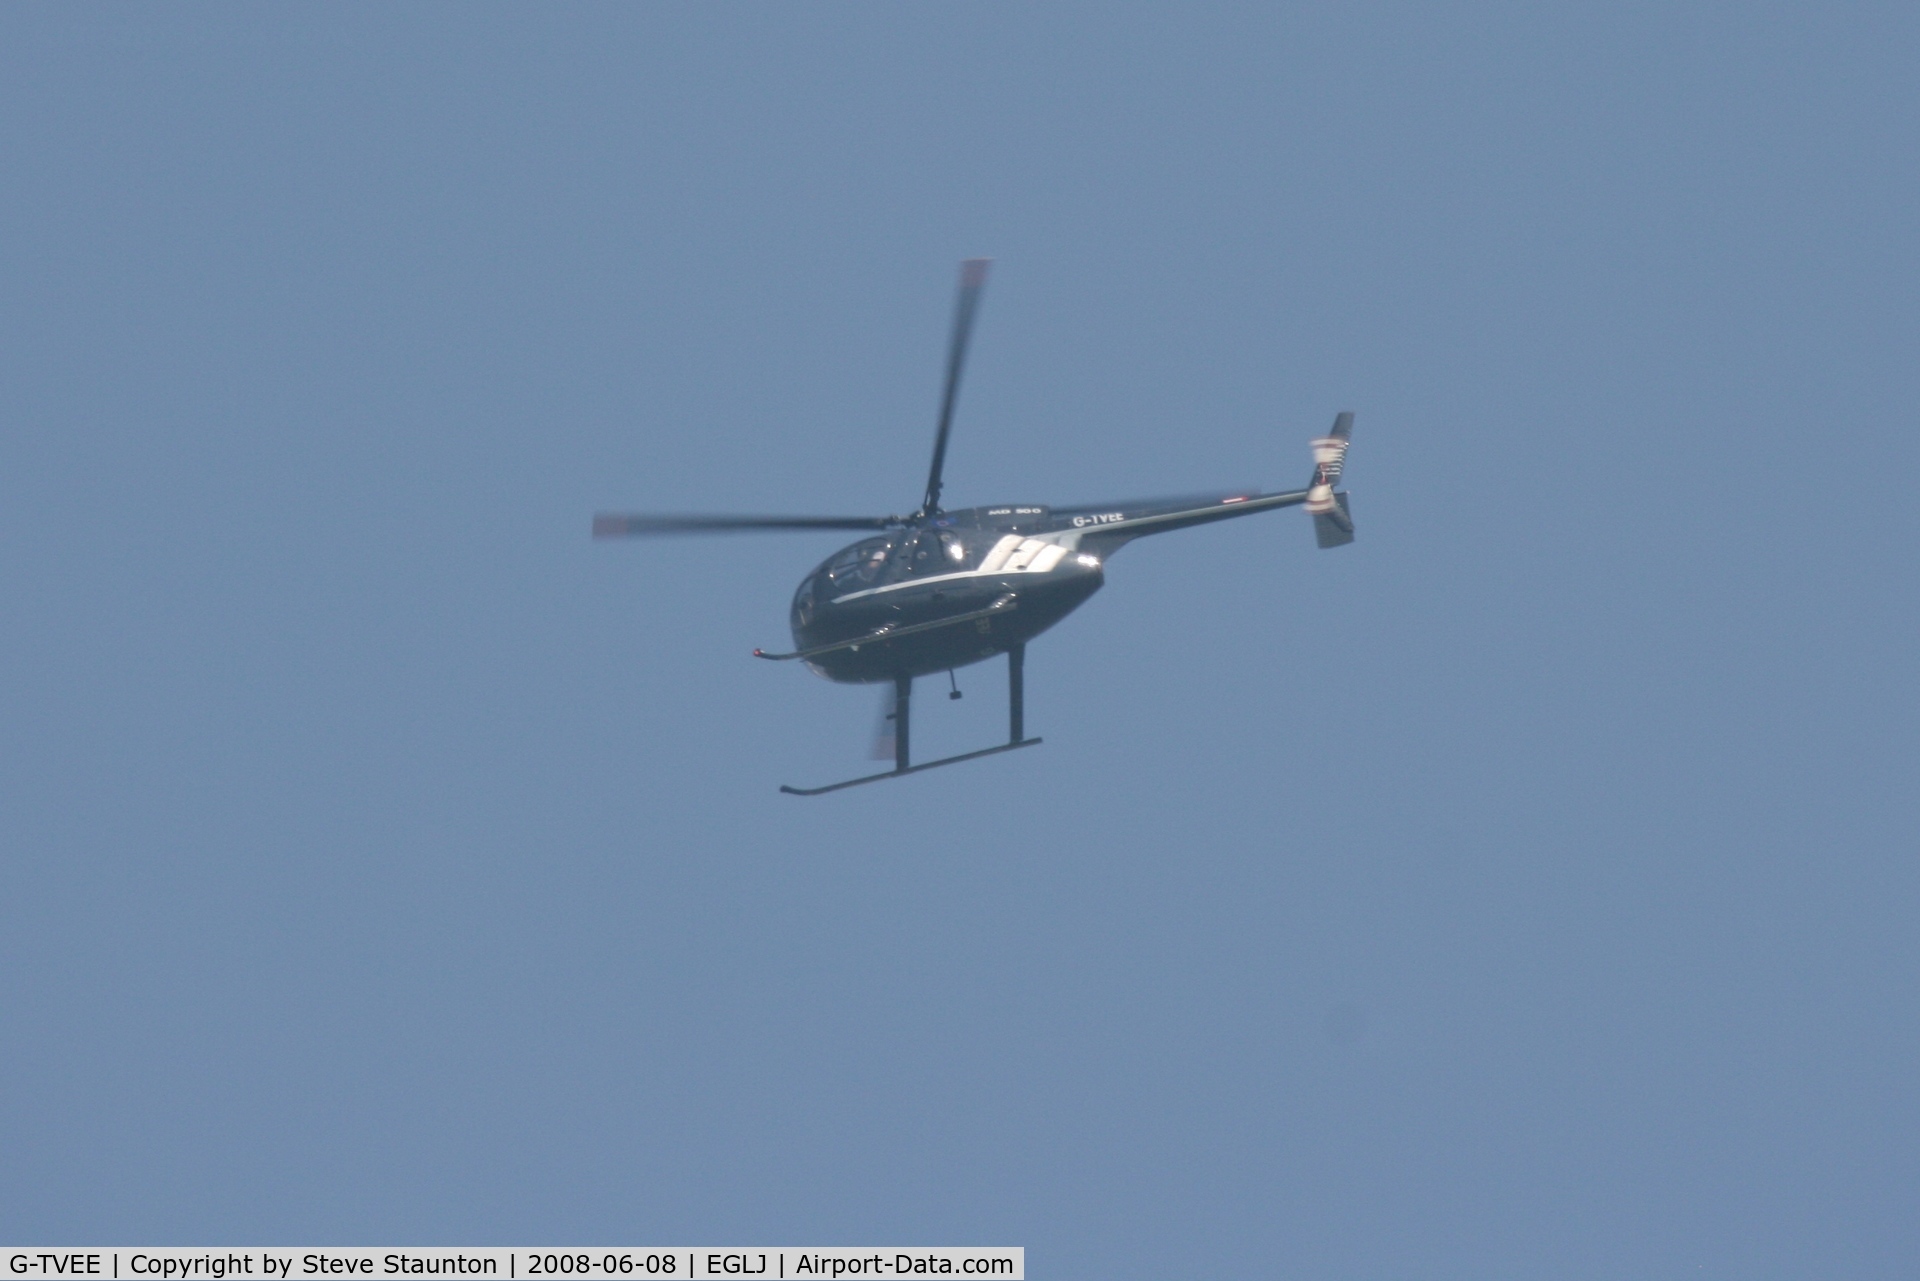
x=996 y=577
x=941 y=589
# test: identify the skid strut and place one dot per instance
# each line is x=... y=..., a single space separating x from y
x=1016 y=695
x=902 y=720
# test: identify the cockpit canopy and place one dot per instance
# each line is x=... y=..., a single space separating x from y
x=957 y=543
x=858 y=565
x=848 y=570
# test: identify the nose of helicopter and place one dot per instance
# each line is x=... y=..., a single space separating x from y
x=947 y=620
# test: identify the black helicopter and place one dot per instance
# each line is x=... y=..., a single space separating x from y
x=937 y=590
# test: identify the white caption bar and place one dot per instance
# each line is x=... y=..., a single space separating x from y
x=512 y=1263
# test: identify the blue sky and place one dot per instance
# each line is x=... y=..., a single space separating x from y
x=1527 y=889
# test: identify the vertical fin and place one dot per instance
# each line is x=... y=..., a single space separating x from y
x=1332 y=519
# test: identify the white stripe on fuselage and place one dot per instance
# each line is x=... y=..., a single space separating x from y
x=1011 y=555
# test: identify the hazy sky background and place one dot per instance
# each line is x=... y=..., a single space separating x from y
x=1526 y=890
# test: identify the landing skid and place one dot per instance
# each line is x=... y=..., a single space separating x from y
x=911 y=769
x=902 y=708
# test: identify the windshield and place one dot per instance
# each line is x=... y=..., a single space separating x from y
x=858 y=565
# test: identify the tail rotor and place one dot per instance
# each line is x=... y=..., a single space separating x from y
x=1332 y=520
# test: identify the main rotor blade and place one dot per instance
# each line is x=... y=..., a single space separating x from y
x=638 y=524
x=973 y=278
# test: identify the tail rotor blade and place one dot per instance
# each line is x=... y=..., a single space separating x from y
x=1330 y=451
x=973 y=278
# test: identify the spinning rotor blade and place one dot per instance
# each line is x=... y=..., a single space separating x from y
x=1330 y=452
x=639 y=524
x=1332 y=515
x=883 y=731
x=973 y=278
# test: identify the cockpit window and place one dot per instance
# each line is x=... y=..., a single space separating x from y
x=860 y=563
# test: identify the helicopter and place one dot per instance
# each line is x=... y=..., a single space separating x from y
x=938 y=590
